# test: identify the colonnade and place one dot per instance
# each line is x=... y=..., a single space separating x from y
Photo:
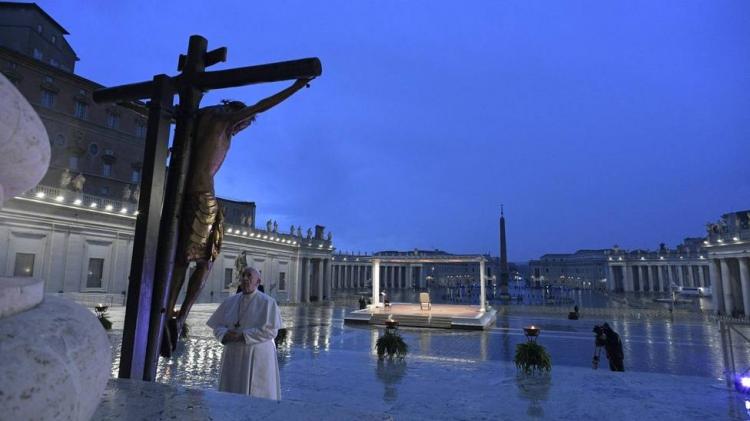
x=315 y=279
x=731 y=279
x=653 y=276
x=358 y=274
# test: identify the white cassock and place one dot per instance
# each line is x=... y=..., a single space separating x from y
x=250 y=368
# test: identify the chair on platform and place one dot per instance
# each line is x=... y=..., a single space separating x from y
x=424 y=300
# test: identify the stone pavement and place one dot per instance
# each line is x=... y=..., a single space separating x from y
x=333 y=387
x=329 y=371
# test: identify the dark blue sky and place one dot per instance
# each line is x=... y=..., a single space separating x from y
x=595 y=123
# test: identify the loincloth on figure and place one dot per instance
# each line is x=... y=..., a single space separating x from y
x=202 y=223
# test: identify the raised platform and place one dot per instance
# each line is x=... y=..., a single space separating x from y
x=440 y=316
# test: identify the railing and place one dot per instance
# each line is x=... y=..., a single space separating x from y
x=70 y=198
x=92 y=299
x=727 y=348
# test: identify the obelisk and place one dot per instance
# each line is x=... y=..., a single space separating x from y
x=504 y=273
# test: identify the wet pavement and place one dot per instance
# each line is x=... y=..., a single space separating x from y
x=322 y=357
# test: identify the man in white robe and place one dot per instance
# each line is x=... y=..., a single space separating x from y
x=247 y=324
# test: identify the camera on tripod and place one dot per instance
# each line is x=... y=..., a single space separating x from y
x=599 y=341
x=601 y=336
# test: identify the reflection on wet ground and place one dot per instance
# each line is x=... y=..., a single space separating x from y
x=657 y=346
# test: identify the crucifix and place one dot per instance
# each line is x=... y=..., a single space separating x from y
x=181 y=222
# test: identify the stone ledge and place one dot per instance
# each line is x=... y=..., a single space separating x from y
x=19 y=294
x=127 y=399
x=56 y=359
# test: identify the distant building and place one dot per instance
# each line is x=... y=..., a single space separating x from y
x=582 y=269
x=103 y=143
x=355 y=270
x=728 y=246
x=661 y=270
x=78 y=236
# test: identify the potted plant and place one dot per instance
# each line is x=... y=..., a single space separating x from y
x=532 y=358
x=101 y=314
x=391 y=344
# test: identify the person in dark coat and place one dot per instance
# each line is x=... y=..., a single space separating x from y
x=613 y=346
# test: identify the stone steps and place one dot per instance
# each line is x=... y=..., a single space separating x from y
x=439 y=322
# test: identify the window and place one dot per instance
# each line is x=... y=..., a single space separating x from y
x=282 y=281
x=104 y=191
x=107 y=170
x=38 y=54
x=81 y=110
x=48 y=98
x=53 y=38
x=135 y=176
x=94 y=278
x=54 y=62
x=24 y=264
x=73 y=162
x=49 y=79
x=39 y=28
x=93 y=149
x=60 y=140
x=140 y=128
x=227 y=277
x=113 y=120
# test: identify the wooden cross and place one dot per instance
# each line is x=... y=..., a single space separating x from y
x=155 y=239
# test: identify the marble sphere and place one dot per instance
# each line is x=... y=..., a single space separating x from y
x=24 y=144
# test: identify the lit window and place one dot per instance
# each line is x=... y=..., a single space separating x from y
x=94 y=277
x=113 y=120
x=282 y=281
x=81 y=110
x=24 y=264
x=48 y=98
x=228 y=277
x=140 y=128
x=135 y=176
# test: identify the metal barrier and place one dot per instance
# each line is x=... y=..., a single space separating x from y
x=727 y=348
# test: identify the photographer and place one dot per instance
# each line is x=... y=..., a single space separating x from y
x=610 y=340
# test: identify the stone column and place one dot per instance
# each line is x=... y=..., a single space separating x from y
x=717 y=296
x=691 y=276
x=375 y=282
x=645 y=279
x=701 y=276
x=726 y=286
x=328 y=278
x=611 y=280
x=745 y=282
x=321 y=278
x=670 y=276
x=627 y=278
x=409 y=276
x=482 y=304
x=307 y=277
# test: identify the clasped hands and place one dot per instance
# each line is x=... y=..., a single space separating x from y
x=233 y=336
